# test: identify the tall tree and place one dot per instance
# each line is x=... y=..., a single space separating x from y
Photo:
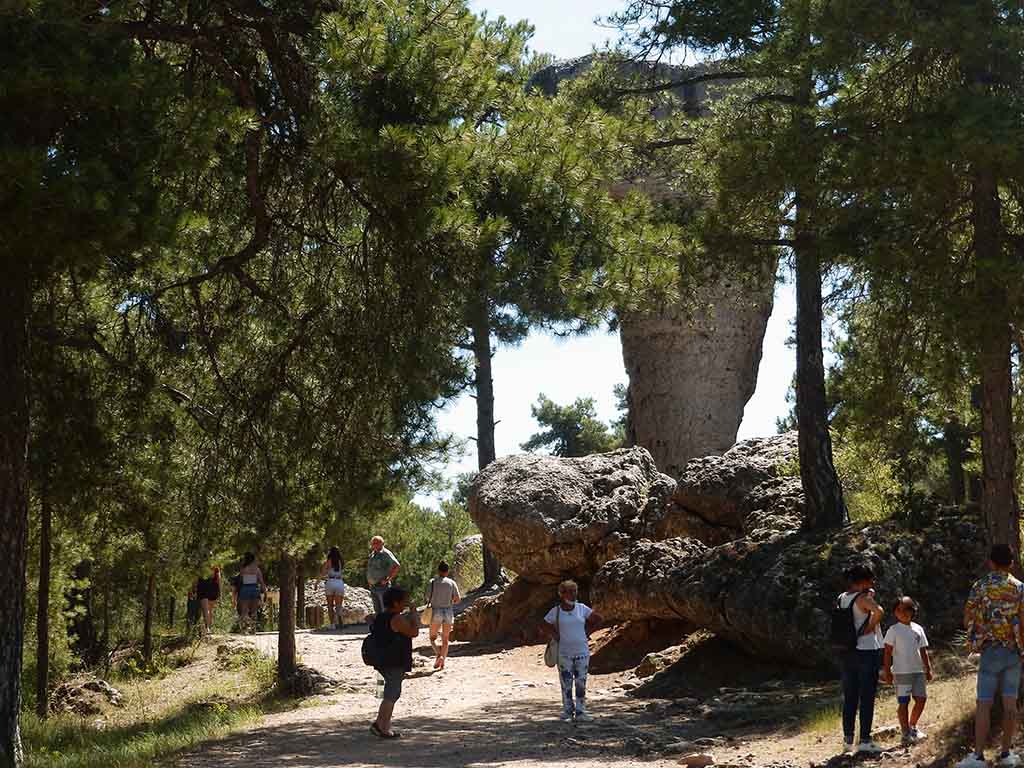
x=940 y=104
x=570 y=430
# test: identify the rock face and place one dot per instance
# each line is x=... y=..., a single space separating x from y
x=691 y=369
x=357 y=607
x=550 y=519
x=721 y=550
x=467 y=565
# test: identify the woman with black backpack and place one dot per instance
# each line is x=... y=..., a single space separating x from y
x=861 y=663
x=392 y=634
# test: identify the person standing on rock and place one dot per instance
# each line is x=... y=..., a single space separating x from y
x=381 y=568
x=442 y=595
x=394 y=629
x=860 y=667
x=334 y=586
x=571 y=622
x=994 y=619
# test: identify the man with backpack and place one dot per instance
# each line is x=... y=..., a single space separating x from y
x=856 y=634
x=994 y=619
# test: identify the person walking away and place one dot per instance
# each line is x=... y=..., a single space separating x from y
x=250 y=591
x=571 y=623
x=994 y=617
x=208 y=592
x=442 y=595
x=907 y=665
x=381 y=568
x=860 y=666
x=394 y=628
x=334 y=586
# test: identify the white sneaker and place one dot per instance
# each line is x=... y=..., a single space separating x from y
x=918 y=734
x=1008 y=760
x=973 y=760
x=565 y=717
x=869 y=748
x=849 y=748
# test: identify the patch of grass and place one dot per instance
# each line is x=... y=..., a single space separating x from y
x=71 y=742
x=190 y=703
x=827 y=718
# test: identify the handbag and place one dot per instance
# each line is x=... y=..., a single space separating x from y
x=427 y=615
x=551 y=652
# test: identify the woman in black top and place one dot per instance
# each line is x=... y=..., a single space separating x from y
x=208 y=591
x=394 y=629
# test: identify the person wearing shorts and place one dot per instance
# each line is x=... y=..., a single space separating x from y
x=395 y=628
x=250 y=592
x=908 y=666
x=334 y=586
x=442 y=596
x=994 y=617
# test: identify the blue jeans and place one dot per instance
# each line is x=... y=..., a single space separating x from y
x=572 y=672
x=998 y=670
x=860 y=684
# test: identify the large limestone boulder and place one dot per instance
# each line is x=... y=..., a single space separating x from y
x=549 y=519
x=357 y=606
x=513 y=614
x=772 y=597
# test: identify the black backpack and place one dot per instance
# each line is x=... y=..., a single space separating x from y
x=371 y=651
x=844 y=630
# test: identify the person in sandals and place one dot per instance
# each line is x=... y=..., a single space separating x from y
x=395 y=628
x=442 y=595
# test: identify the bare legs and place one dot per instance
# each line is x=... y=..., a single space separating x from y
x=207 y=606
x=387 y=709
x=445 y=631
x=983 y=724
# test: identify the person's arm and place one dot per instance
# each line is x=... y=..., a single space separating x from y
x=259 y=577
x=457 y=596
x=870 y=606
x=887 y=664
x=393 y=572
x=547 y=626
x=405 y=624
x=926 y=660
x=594 y=621
x=323 y=569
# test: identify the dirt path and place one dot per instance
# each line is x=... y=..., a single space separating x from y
x=499 y=707
x=488 y=707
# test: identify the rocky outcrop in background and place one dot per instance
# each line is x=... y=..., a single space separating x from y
x=722 y=549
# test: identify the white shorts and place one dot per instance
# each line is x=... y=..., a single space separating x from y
x=334 y=587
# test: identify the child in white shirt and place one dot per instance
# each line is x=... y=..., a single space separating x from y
x=907 y=664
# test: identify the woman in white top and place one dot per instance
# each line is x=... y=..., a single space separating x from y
x=571 y=623
x=334 y=586
x=860 y=667
x=250 y=591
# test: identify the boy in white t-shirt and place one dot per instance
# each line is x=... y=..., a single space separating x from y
x=907 y=664
x=571 y=622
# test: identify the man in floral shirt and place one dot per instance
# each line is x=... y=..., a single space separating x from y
x=993 y=618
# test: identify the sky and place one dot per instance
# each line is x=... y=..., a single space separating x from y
x=590 y=366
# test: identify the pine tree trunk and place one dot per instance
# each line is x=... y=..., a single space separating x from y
x=998 y=450
x=823 y=494
x=147 y=619
x=953 y=442
x=484 y=385
x=43 y=605
x=14 y=416
x=286 y=623
x=170 y=612
x=300 y=601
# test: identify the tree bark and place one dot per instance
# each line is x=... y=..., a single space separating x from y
x=15 y=297
x=170 y=612
x=822 y=491
x=300 y=600
x=147 y=619
x=954 y=442
x=485 y=447
x=286 y=622
x=43 y=605
x=998 y=450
